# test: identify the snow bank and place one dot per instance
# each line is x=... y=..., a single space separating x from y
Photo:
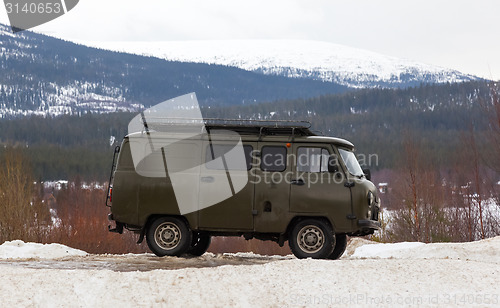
x=21 y=250
x=385 y=250
x=375 y=275
x=287 y=283
x=487 y=250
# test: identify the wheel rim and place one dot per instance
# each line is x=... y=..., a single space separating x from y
x=310 y=239
x=167 y=235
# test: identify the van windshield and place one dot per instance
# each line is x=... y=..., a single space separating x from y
x=351 y=162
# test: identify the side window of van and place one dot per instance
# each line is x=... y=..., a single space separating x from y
x=311 y=159
x=219 y=151
x=273 y=158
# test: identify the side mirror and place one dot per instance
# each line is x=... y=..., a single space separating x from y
x=368 y=174
x=333 y=167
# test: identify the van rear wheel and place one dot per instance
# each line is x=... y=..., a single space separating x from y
x=168 y=236
x=199 y=244
x=312 y=238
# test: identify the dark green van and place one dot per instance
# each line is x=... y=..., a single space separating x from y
x=299 y=187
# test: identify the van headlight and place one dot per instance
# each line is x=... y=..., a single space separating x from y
x=371 y=198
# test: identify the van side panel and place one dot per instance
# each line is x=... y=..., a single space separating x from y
x=136 y=198
x=235 y=212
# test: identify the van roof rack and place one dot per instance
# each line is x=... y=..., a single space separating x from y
x=242 y=126
x=262 y=123
x=262 y=127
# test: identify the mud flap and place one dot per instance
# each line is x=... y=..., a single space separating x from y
x=118 y=229
x=141 y=235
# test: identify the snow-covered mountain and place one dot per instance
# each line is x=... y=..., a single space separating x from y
x=33 y=82
x=46 y=76
x=42 y=75
x=355 y=68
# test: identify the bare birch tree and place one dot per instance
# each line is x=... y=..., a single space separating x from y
x=21 y=213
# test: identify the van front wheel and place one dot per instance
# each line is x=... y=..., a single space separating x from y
x=168 y=236
x=340 y=246
x=312 y=238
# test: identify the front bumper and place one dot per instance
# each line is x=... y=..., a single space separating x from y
x=369 y=224
x=367 y=227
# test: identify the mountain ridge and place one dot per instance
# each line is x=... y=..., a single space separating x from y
x=47 y=76
x=348 y=66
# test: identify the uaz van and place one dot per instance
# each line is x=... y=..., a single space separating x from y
x=289 y=185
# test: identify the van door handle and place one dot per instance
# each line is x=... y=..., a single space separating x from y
x=298 y=182
x=207 y=179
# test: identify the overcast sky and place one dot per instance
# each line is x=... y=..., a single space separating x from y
x=458 y=34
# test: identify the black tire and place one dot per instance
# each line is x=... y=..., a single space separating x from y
x=312 y=238
x=168 y=236
x=340 y=246
x=199 y=244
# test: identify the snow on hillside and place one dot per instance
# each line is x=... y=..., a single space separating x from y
x=369 y=275
x=30 y=92
x=76 y=98
x=294 y=58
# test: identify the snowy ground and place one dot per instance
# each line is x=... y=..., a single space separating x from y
x=368 y=275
